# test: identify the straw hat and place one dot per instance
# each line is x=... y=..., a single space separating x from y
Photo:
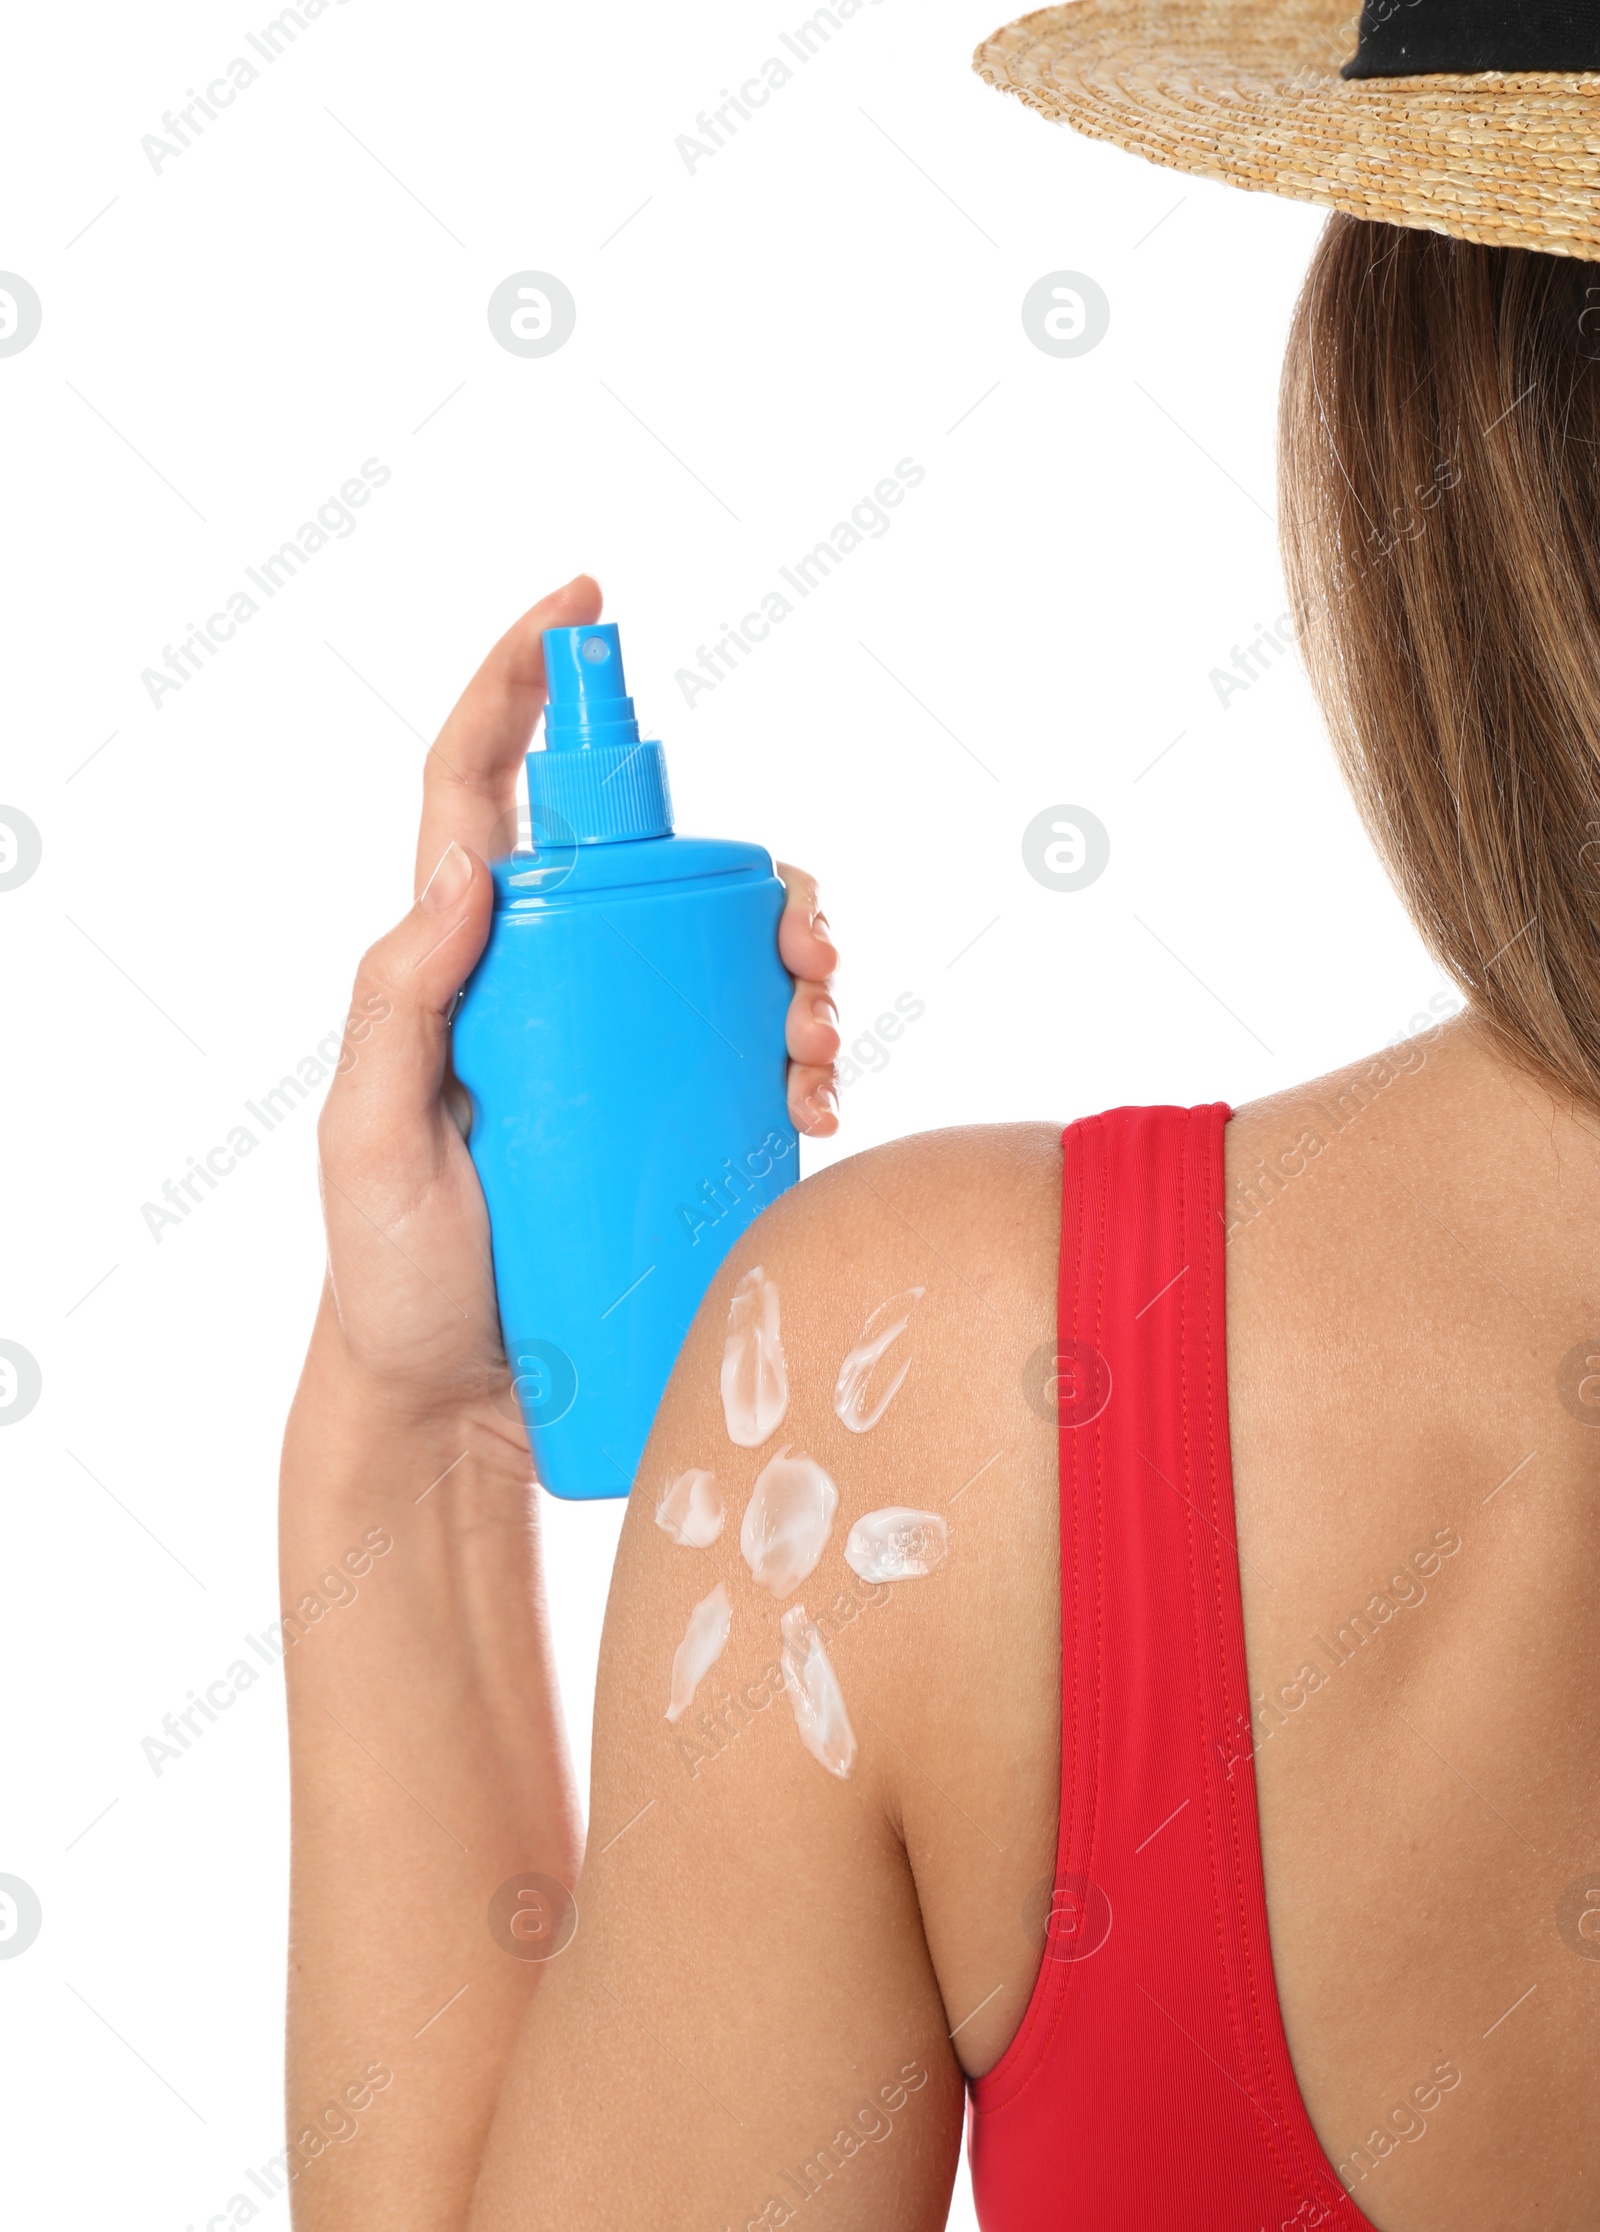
x=1474 y=117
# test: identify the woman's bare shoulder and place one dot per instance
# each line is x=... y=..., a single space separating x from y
x=980 y=1186
x=827 y=1718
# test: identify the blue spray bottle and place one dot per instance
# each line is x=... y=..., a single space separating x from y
x=622 y=1044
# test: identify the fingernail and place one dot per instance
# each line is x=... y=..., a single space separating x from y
x=824 y=1011
x=819 y=924
x=448 y=881
x=824 y=1100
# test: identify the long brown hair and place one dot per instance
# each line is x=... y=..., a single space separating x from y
x=1439 y=465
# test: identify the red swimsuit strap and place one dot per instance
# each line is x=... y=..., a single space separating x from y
x=1150 y=2083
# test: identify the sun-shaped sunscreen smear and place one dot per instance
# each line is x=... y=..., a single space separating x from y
x=755 y=1384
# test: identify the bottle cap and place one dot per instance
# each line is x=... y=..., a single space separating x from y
x=596 y=781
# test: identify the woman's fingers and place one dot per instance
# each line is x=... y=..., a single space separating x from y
x=812 y=1037
x=399 y=1034
x=470 y=777
x=805 y=945
x=813 y=1100
x=811 y=1033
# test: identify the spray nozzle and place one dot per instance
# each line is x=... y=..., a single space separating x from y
x=589 y=702
x=595 y=782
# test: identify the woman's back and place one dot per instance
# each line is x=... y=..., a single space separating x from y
x=1409 y=1311
x=1405 y=1276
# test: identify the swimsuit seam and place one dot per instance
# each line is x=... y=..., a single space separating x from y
x=1185 y=1416
x=1045 y=2012
x=1284 y=2139
x=1313 y=2166
x=1239 y=1899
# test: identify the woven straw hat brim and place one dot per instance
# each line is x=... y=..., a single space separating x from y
x=1249 y=91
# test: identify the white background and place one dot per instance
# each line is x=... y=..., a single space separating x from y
x=758 y=342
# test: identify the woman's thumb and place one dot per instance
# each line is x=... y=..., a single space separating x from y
x=396 y=1041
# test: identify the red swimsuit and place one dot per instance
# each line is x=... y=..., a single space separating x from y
x=1149 y=2085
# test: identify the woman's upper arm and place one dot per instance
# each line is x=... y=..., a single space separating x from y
x=749 y=2011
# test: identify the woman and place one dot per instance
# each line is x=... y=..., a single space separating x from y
x=1184 y=1741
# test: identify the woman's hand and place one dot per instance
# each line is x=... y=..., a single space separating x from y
x=429 y=1762
x=408 y=1236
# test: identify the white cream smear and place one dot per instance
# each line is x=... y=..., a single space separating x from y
x=864 y=1393
x=787 y=1521
x=814 y=1693
x=755 y=1384
x=690 y=1510
x=896 y=1544
x=704 y=1641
